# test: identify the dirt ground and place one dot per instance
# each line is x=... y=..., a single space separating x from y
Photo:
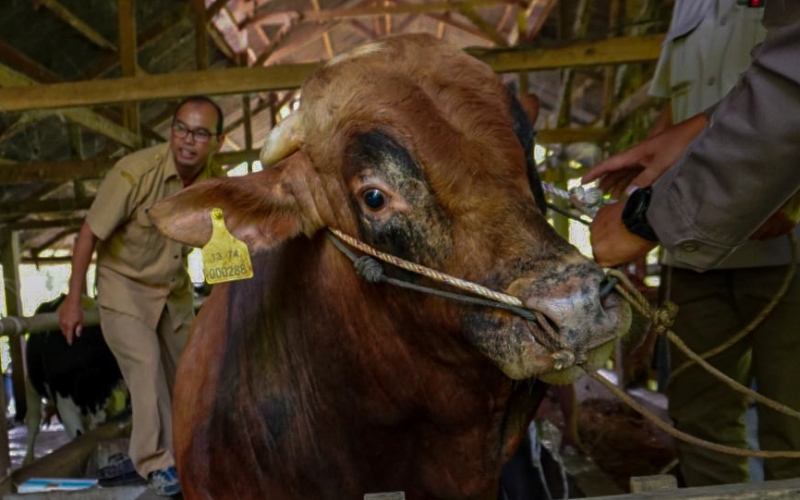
x=621 y=442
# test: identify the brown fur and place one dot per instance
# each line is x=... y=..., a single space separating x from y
x=308 y=382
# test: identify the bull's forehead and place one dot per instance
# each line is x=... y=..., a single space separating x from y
x=431 y=97
x=397 y=72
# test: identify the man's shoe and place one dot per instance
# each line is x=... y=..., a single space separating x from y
x=118 y=465
x=165 y=481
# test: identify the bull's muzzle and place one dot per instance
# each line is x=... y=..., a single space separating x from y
x=576 y=327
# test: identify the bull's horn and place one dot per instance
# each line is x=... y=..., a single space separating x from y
x=283 y=140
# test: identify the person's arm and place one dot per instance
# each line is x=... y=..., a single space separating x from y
x=642 y=164
x=664 y=120
x=743 y=166
x=70 y=316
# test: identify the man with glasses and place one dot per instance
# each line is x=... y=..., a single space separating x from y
x=144 y=291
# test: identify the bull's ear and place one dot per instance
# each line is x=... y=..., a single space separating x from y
x=262 y=209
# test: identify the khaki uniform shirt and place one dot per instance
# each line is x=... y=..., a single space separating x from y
x=706 y=49
x=744 y=165
x=139 y=270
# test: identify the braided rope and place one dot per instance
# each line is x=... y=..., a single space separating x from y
x=669 y=429
x=428 y=272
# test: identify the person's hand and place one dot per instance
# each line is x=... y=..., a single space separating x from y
x=612 y=243
x=642 y=164
x=778 y=224
x=70 y=317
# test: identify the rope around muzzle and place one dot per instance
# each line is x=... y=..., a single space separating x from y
x=663 y=319
x=372 y=271
x=587 y=203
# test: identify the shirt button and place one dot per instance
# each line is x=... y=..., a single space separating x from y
x=712 y=80
x=689 y=247
x=175 y=256
x=723 y=21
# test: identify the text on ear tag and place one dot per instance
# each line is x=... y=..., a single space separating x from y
x=224 y=257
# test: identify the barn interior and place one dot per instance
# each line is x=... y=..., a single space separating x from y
x=84 y=82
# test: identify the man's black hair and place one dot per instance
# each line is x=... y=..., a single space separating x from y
x=200 y=99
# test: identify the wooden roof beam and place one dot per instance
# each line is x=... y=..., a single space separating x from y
x=215 y=8
x=18 y=61
x=28 y=207
x=447 y=19
x=284 y=77
x=35 y=251
x=37 y=225
x=54 y=171
x=273 y=45
x=369 y=11
x=150 y=36
x=81 y=27
x=538 y=11
x=94 y=168
x=486 y=28
x=128 y=60
x=11 y=79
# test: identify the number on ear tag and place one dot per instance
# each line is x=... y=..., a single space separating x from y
x=224 y=257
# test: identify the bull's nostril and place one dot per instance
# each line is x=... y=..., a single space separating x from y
x=547 y=323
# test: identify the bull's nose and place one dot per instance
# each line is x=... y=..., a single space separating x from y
x=569 y=304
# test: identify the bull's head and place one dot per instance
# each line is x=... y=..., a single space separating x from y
x=417 y=149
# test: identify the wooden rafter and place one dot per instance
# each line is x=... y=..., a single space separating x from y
x=53 y=171
x=535 y=16
x=18 y=61
x=257 y=79
x=326 y=38
x=447 y=19
x=370 y=11
x=35 y=73
x=579 y=28
x=485 y=27
x=126 y=13
x=273 y=44
x=32 y=225
x=94 y=168
x=216 y=8
x=201 y=52
x=362 y=30
x=93 y=121
x=144 y=40
x=81 y=27
x=35 y=251
x=28 y=207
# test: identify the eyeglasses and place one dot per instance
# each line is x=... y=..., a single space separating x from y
x=200 y=135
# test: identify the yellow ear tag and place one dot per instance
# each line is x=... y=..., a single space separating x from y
x=224 y=257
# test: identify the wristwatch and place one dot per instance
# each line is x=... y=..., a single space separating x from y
x=634 y=214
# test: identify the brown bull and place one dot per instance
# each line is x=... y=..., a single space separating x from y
x=307 y=381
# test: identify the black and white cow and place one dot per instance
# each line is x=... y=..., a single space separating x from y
x=83 y=381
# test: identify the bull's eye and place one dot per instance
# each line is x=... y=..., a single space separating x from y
x=374 y=198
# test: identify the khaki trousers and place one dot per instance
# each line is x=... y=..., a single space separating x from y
x=148 y=359
x=715 y=306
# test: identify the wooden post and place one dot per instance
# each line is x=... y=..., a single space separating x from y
x=200 y=39
x=9 y=259
x=126 y=12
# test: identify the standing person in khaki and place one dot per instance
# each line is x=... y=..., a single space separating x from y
x=144 y=289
